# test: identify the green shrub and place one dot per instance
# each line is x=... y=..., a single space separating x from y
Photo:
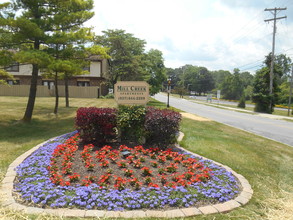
x=108 y=96
x=241 y=103
x=134 y=124
x=130 y=121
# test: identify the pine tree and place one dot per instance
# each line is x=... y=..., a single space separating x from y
x=27 y=26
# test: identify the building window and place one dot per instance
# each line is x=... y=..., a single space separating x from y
x=13 y=82
x=14 y=67
x=83 y=83
x=48 y=83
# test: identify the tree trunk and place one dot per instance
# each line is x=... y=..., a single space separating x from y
x=32 y=95
x=66 y=92
x=56 y=94
x=33 y=89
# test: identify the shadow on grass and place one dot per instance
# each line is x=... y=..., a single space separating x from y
x=161 y=105
x=19 y=132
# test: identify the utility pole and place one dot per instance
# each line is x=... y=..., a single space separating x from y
x=290 y=95
x=274 y=11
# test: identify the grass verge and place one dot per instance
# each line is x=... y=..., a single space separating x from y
x=266 y=164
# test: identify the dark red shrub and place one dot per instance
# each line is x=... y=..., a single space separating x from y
x=96 y=124
x=162 y=125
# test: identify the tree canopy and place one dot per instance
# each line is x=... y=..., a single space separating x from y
x=130 y=61
x=28 y=27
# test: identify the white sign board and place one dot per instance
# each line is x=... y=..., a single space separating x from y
x=218 y=94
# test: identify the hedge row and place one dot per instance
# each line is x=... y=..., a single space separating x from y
x=134 y=123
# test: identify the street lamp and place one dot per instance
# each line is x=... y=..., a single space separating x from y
x=168 y=90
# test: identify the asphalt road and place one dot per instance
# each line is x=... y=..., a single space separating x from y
x=278 y=130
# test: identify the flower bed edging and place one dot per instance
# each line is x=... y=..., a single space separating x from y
x=8 y=201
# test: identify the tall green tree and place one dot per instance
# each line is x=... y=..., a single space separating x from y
x=219 y=77
x=189 y=78
x=260 y=95
x=233 y=86
x=282 y=66
x=27 y=26
x=127 y=56
x=205 y=80
x=197 y=79
x=68 y=46
x=156 y=70
x=175 y=75
x=261 y=91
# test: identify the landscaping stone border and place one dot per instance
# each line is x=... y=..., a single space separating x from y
x=9 y=202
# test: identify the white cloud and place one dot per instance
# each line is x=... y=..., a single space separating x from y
x=217 y=34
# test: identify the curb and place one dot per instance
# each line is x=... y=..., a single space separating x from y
x=9 y=202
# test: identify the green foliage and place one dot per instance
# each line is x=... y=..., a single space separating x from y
x=108 y=96
x=219 y=77
x=32 y=27
x=130 y=62
x=241 y=103
x=127 y=55
x=248 y=92
x=198 y=79
x=283 y=93
x=5 y=76
x=130 y=121
x=156 y=70
x=233 y=86
x=282 y=66
x=40 y=58
x=180 y=90
x=261 y=91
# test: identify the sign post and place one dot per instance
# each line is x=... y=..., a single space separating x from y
x=168 y=90
x=131 y=92
x=218 y=95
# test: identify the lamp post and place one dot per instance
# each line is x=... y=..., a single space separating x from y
x=168 y=90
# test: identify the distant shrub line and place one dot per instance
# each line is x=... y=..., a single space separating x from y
x=128 y=123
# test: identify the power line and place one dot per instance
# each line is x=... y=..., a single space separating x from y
x=252 y=63
x=274 y=11
x=253 y=67
x=239 y=33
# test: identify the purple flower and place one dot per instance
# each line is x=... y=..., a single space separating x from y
x=34 y=186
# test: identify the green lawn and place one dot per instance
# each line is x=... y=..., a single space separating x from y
x=266 y=164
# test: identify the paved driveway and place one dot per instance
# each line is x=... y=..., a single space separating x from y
x=265 y=125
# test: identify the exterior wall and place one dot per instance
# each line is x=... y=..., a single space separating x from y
x=44 y=91
x=24 y=70
x=96 y=69
x=105 y=67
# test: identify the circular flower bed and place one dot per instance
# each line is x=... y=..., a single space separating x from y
x=60 y=174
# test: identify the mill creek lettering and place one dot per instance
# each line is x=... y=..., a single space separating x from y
x=131 y=89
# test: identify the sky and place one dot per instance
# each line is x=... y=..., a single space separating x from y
x=217 y=34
